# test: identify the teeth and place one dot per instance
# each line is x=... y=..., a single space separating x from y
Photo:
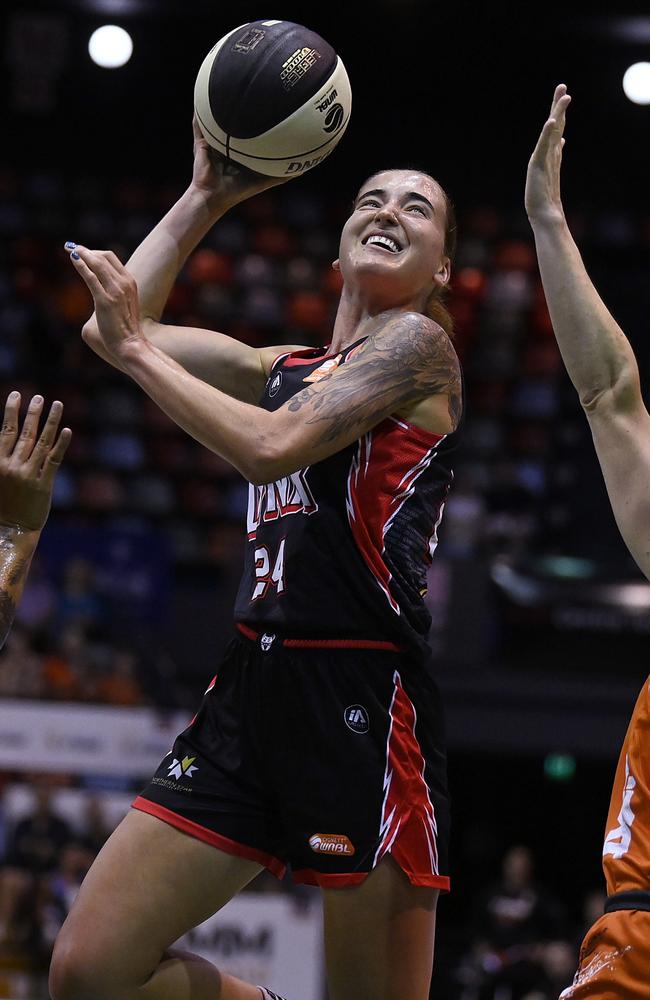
x=383 y=241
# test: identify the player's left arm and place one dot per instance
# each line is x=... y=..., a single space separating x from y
x=407 y=360
x=28 y=465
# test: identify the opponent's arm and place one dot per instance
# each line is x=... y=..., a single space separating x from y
x=28 y=466
x=217 y=185
x=409 y=358
x=597 y=355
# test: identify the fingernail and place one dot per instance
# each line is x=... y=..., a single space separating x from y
x=14 y=395
x=37 y=400
x=70 y=245
x=75 y=255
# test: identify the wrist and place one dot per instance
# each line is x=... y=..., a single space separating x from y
x=548 y=218
x=216 y=202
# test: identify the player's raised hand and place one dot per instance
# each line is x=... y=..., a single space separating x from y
x=29 y=462
x=543 y=201
x=222 y=181
x=115 y=294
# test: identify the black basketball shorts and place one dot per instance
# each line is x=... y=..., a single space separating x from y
x=324 y=759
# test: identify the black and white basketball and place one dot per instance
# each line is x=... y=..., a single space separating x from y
x=273 y=96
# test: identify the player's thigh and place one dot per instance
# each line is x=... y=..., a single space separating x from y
x=148 y=886
x=379 y=937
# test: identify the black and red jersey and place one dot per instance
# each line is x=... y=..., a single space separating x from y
x=340 y=549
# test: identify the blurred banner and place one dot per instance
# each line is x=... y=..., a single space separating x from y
x=85 y=739
x=268 y=940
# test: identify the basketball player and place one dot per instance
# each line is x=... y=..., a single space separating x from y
x=319 y=743
x=28 y=466
x=615 y=955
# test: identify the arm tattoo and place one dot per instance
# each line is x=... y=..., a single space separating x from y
x=14 y=563
x=408 y=362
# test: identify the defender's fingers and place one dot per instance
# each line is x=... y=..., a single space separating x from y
x=101 y=266
x=55 y=457
x=9 y=431
x=558 y=93
x=29 y=431
x=47 y=435
x=92 y=281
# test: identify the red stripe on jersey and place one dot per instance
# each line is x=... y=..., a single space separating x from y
x=408 y=821
x=297 y=358
x=382 y=476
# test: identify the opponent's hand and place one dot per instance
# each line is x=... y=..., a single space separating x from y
x=222 y=181
x=543 y=201
x=115 y=294
x=29 y=462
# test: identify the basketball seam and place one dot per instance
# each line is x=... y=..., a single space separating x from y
x=272 y=159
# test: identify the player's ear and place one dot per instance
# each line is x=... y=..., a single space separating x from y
x=443 y=274
x=336 y=265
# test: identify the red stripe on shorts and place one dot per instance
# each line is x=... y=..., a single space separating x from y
x=408 y=822
x=274 y=865
x=325 y=643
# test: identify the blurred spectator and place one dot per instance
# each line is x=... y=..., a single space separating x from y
x=120 y=685
x=21 y=669
x=513 y=922
x=79 y=602
x=67 y=670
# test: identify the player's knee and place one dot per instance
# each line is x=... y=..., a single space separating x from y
x=76 y=974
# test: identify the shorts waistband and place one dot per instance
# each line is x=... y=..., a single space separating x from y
x=634 y=899
x=267 y=639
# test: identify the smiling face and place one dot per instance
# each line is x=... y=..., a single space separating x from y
x=392 y=248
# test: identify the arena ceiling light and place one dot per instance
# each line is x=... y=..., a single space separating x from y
x=110 y=46
x=636 y=83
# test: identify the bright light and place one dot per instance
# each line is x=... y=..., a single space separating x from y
x=636 y=83
x=110 y=46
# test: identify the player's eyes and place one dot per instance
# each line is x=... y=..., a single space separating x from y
x=369 y=203
x=417 y=208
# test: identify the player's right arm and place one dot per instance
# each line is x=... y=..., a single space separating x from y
x=223 y=362
x=28 y=465
x=597 y=355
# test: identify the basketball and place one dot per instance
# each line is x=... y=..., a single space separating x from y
x=273 y=96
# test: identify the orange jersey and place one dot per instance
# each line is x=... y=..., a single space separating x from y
x=626 y=853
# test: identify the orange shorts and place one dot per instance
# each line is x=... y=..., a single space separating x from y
x=614 y=959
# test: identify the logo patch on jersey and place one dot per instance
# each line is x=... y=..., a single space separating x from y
x=331 y=843
x=356 y=719
x=182 y=768
x=274 y=384
x=326 y=368
x=266 y=642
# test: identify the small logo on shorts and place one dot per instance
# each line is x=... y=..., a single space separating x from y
x=275 y=383
x=331 y=843
x=356 y=719
x=182 y=768
x=266 y=642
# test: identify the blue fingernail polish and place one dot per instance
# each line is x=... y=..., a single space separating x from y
x=70 y=245
x=75 y=256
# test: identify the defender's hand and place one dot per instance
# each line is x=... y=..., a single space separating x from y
x=543 y=201
x=224 y=182
x=29 y=463
x=115 y=294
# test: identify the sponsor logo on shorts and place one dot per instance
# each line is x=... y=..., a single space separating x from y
x=334 y=118
x=275 y=383
x=266 y=642
x=182 y=768
x=331 y=843
x=356 y=719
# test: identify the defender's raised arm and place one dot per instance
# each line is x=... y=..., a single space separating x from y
x=596 y=352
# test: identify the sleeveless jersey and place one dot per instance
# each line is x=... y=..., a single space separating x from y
x=626 y=854
x=340 y=549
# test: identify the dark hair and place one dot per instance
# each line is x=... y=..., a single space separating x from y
x=435 y=307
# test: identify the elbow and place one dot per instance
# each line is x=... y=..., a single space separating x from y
x=270 y=461
x=622 y=395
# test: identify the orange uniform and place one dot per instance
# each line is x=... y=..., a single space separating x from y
x=615 y=954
